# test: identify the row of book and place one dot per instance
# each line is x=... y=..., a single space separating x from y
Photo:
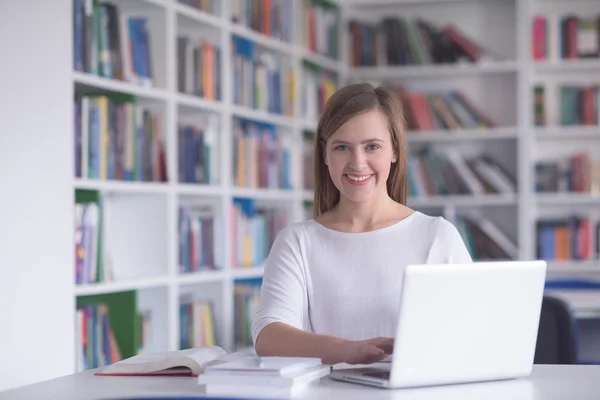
x=577 y=173
x=484 y=240
x=261 y=156
x=447 y=172
x=110 y=44
x=117 y=138
x=570 y=238
x=320 y=20
x=196 y=324
x=92 y=260
x=576 y=105
x=262 y=79
x=318 y=85
x=441 y=110
x=95 y=341
x=578 y=37
x=246 y=298
x=207 y=6
x=200 y=234
x=269 y=17
x=253 y=230
x=198 y=149
x=198 y=68
x=406 y=41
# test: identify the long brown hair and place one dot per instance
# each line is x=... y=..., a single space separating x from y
x=343 y=105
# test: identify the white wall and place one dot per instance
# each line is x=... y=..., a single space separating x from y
x=36 y=261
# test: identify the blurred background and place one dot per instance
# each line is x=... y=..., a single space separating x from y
x=151 y=150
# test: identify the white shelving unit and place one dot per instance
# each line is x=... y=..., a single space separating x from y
x=143 y=216
x=497 y=83
x=148 y=211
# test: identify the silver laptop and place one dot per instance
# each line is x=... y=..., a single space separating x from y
x=461 y=323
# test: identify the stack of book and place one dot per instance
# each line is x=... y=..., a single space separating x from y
x=266 y=377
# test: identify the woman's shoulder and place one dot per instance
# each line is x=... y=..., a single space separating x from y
x=295 y=232
x=434 y=225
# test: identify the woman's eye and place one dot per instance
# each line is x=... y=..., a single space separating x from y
x=341 y=147
x=372 y=147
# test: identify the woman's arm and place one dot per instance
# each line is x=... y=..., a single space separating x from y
x=280 y=339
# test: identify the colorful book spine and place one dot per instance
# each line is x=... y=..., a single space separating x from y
x=261 y=156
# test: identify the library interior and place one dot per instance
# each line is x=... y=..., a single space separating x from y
x=152 y=150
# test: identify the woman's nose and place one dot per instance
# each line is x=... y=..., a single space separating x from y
x=358 y=161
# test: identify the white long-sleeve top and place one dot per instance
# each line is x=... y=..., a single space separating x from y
x=348 y=284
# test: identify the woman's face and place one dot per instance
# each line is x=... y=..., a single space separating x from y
x=359 y=155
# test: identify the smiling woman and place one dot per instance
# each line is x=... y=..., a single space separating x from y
x=331 y=285
x=362 y=140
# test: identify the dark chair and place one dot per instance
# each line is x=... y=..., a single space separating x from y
x=556 y=340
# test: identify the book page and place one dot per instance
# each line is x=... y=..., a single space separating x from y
x=202 y=355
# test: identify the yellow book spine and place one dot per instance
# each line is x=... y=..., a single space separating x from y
x=247 y=251
x=103 y=107
x=208 y=325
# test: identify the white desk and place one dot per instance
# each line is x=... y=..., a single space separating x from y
x=545 y=383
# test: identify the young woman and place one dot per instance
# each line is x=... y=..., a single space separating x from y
x=331 y=285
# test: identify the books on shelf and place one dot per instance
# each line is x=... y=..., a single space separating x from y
x=118 y=138
x=96 y=344
x=253 y=231
x=577 y=37
x=261 y=155
x=246 y=298
x=199 y=67
x=261 y=79
x=107 y=329
x=112 y=44
x=92 y=253
x=484 y=240
x=198 y=151
x=575 y=237
x=447 y=172
x=441 y=110
x=320 y=20
x=196 y=323
x=575 y=105
x=410 y=41
x=269 y=17
x=318 y=85
x=200 y=238
x=578 y=173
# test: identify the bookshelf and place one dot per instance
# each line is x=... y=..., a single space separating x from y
x=195 y=130
x=174 y=208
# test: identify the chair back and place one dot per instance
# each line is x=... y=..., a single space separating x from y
x=556 y=340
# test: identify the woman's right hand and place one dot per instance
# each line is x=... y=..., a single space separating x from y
x=366 y=351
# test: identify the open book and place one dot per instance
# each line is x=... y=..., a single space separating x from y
x=189 y=362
